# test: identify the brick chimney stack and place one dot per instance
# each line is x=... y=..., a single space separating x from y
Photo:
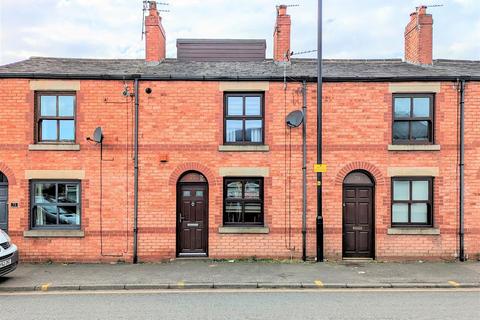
x=155 y=44
x=281 y=35
x=419 y=37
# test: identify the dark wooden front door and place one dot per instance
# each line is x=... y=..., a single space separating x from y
x=358 y=222
x=3 y=206
x=192 y=220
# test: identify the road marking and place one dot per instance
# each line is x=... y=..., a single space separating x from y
x=44 y=287
x=454 y=284
x=318 y=283
x=194 y=291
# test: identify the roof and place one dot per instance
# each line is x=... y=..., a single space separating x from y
x=334 y=70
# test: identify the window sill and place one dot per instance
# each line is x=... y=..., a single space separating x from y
x=413 y=147
x=54 y=147
x=243 y=230
x=54 y=234
x=243 y=148
x=414 y=231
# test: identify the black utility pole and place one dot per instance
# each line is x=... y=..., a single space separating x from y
x=319 y=134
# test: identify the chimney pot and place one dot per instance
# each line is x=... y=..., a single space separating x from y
x=155 y=40
x=422 y=10
x=152 y=5
x=419 y=37
x=281 y=35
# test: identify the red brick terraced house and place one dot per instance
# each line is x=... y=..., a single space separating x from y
x=195 y=158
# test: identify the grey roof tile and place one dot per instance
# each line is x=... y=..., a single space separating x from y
x=267 y=69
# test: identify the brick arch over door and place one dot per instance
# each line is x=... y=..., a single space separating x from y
x=378 y=177
x=8 y=173
x=192 y=166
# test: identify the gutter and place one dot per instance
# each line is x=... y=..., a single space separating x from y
x=60 y=76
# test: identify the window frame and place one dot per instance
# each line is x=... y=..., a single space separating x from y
x=39 y=117
x=429 y=202
x=243 y=117
x=56 y=226
x=410 y=119
x=242 y=200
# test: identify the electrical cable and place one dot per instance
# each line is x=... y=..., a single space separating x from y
x=287 y=184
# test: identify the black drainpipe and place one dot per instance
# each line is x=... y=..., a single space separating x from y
x=135 y=176
x=462 y=173
x=304 y=173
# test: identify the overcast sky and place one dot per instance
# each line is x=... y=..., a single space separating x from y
x=112 y=28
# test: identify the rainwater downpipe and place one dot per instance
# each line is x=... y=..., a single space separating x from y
x=304 y=173
x=461 y=165
x=135 y=175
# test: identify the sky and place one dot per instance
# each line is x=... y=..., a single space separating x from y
x=352 y=29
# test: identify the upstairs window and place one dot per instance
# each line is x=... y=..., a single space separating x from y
x=55 y=117
x=243 y=119
x=412 y=203
x=412 y=119
x=243 y=201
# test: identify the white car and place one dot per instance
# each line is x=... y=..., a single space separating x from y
x=8 y=254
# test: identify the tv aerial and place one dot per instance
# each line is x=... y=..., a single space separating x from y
x=146 y=6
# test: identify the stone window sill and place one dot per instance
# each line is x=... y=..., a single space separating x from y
x=243 y=230
x=54 y=147
x=54 y=234
x=243 y=148
x=414 y=231
x=413 y=147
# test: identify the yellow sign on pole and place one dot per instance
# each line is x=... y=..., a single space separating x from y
x=319 y=167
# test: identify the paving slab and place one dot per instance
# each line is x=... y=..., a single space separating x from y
x=241 y=274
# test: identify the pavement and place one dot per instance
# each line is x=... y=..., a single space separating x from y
x=232 y=274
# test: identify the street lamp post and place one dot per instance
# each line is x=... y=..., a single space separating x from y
x=319 y=134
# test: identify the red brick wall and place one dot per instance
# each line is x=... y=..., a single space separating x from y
x=114 y=115
x=472 y=170
x=357 y=130
x=184 y=120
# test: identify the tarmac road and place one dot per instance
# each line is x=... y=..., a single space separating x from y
x=245 y=304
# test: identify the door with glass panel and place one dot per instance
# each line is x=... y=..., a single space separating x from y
x=192 y=215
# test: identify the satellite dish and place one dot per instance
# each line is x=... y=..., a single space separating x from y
x=294 y=119
x=98 y=135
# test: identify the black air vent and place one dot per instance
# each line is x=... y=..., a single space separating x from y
x=221 y=50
